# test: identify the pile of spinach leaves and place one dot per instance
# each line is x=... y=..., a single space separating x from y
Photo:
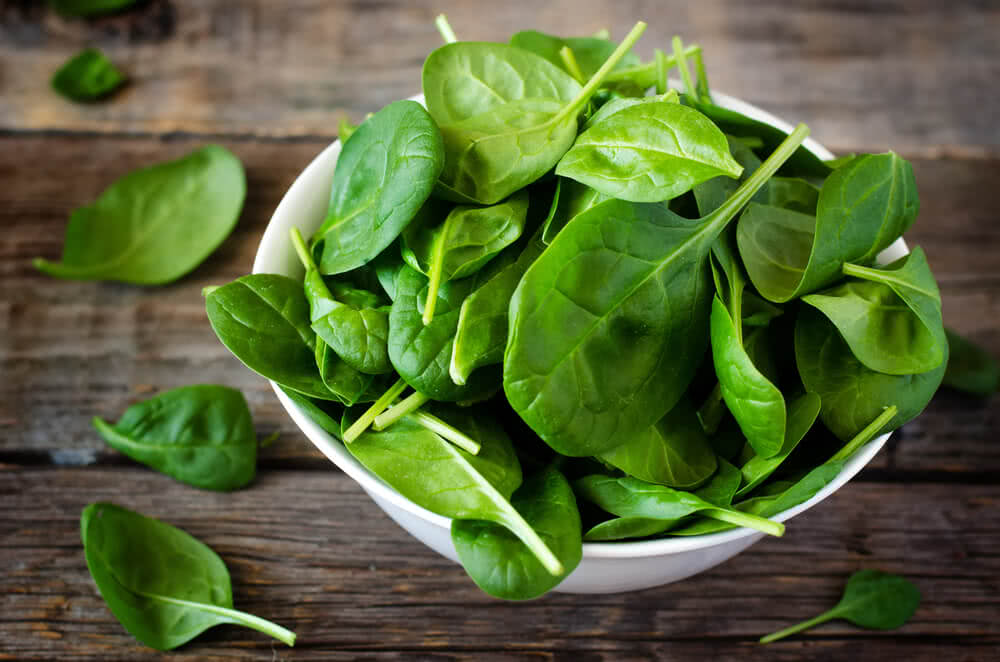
x=563 y=303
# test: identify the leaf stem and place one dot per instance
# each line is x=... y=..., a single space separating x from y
x=445 y=431
x=799 y=627
x=866 y=435
x=407 y=405
x=377 y=408
x=748 y=520
x=572 y=66
x=682 y=66
x=435 y=276
x=864 y=273
x=301 y=249
x=661 y=71
x=232 y=615
x=704 y=93
x=620 y=75
x=445 y=29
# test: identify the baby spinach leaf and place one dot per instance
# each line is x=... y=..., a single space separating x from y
x=802 y=413
x=892 y=318
x=872 y=599
x=711 y=193
x=347 y=384
x=625 y=528
x=87 y=76
x=758 y=312
x=451 y=482
x=89 y=7
x=385 y=172
x=863 y=207
x=755 y=402
x=852 y=394
x=420 y=353
x=631 y=497
x=156 y=224
x=462 y=243
x=163 y=585
x=792 y=193
x=263 y=319
x=500 y=563
x=200 y=435
x=619 y=275
x=674 y=451
x=323 y=413
x=649 y=152
x=589 y=52
x=621 y=103
x=970 y=367
x=574 y=199
x=495 y=147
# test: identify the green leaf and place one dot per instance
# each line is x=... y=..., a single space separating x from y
x=891 y=320
x=863 y=207
x=462 y=243
x=574 y=199
x=802 y=413
x=711 y=193
x=500 y=563
x=89 y=7
x=156 y=224
x=872 y=599
x=970 y=367
x=347 y=384
x=263 y=319
x=590 y=52
x=385 y=172
x=163 y=585
x=792 y=193
x=200 y=435
x=852 y=394
x=674 y=451
x=324 y=413
x=87 y=76
x=649 y=152
x=619 y=275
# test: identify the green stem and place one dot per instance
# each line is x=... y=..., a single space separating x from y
x=799 y=627
x=704 y=93
x=864 y=273
x=377 y=408
x=714 y=223
x=595 y=81
x=445 y=29
x=866 y=435
x=661 y=71
x=445 y=431
x=435 y=277
x=572 y=66
x=748 y=520
x=231 y=615
x=302 y=250
x=407 y=405
x=620 y=75
x=682 y=67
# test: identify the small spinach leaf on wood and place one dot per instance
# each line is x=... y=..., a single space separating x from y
x=200 y=435
x=385 y=172
x=970 y=367
x=500 y=563
x=156 y=224
x=872 y=599
x=163 y=585
x=87 y=76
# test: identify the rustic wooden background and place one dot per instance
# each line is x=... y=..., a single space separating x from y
x=306 y=548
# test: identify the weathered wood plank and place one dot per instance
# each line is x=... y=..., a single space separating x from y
x=72 y=350
x=914 y=75
x=311 y=551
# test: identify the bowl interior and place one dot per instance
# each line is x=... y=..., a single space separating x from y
x=304 y=206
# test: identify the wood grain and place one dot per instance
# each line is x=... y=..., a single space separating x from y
x=313 y=553
x=914 y=75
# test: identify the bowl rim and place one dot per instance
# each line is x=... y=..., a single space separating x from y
x=275 y=241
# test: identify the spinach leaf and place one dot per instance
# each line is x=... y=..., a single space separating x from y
x=970 y=368
x=891 y=319
x=625 y=528
x=163 y=585
x=200 y=435
x=505 y=140
x=621 y=103
x=500 y=563
x=589 y=52
x=89 y=7
x=619 y=275
x=631 y=497
x=574 y=199
x=451 y=482
x=674 y=451
x=385 y=172
x=323 y=413
x=347 y=384
x=87 y=76
x=462 y=243
x=862 y=208
x=872 y=599
x=802 y=413
x=420 y=353
x=852 y=394
x=649 y=152
x=263 y=319
x=792 y=193
x=711 y=193
x=156 y=224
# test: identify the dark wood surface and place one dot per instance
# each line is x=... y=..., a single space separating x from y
x=305 y=546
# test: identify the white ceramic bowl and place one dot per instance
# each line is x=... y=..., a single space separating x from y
x=608 y=567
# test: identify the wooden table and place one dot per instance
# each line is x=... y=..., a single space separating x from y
x=305 y=546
